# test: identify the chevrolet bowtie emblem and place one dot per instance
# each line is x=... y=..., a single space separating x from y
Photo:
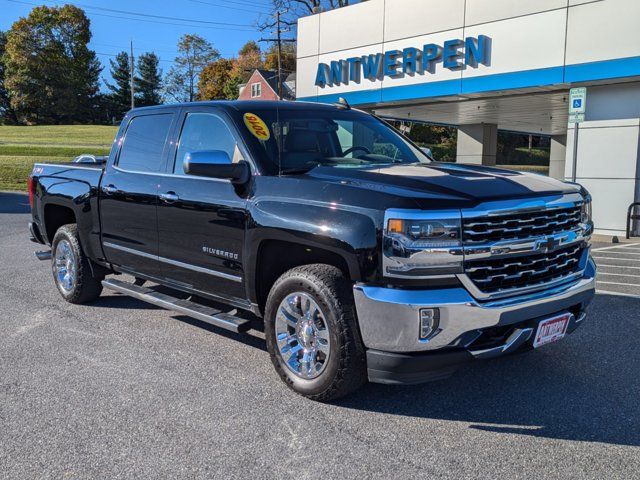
x=546 y=244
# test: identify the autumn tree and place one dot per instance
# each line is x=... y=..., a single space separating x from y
x=148 y=81
x=50 y=73
x=288 y=58
x=213 y=79
x=249 y=58
x=194 y=53
x=120 y=91
x=7 y=113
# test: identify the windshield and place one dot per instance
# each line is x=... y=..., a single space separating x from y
x=299 y=140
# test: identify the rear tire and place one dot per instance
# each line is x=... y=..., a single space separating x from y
x=312 y=334
x=77 y=280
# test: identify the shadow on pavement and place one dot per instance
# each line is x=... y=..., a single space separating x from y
x=125 y=302
x=245 y=338
x=14 y=202
x=586 y=387
x=122 y=301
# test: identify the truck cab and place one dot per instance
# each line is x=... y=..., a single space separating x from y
x=360 y=257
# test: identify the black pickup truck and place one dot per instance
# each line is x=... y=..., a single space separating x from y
x=359 y=256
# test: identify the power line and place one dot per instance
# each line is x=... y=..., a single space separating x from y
x=163 y=17
x=114 y=55
x=230 y=8
x=241 y=27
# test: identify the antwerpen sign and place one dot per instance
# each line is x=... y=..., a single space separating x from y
x=454 y=55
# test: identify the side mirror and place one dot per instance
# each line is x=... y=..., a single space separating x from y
x=215 y=164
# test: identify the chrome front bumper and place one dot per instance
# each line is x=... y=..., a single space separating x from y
x=389 y=317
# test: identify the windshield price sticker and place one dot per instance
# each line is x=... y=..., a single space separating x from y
x=256 y=126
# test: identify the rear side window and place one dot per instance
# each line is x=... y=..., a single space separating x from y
x=144 y=143
x=204 y=131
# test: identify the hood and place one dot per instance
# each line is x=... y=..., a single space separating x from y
x=459 y=183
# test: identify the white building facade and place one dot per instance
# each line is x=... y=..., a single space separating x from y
x=484 y=65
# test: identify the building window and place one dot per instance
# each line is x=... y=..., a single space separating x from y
x=256 y=90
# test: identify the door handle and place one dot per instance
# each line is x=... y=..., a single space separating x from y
x=109 y=189
x=169 y=197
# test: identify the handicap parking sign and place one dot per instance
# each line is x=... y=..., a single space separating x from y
x=577 y=100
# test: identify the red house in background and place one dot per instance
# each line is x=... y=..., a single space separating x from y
x=263 y=85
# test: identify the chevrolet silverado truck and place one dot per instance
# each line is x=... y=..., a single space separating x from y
x=359 y=257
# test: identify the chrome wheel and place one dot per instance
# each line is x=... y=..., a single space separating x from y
x=302 y=335
x=64 y=266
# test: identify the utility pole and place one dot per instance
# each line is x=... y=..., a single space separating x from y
x=278 y=41
x=131 y=72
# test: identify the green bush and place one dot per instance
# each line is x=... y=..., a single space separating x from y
x=521 y=156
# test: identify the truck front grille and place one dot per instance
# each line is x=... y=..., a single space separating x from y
x=525 y=224
x=503 y=274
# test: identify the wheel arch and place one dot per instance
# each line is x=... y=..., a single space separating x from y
x=55 y=216
x=275 y=257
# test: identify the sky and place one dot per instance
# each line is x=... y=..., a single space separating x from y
x=112 y=30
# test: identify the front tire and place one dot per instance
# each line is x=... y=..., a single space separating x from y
x=73 y=274
x=312 y=335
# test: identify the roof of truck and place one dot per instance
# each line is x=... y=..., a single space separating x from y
x=243 y=105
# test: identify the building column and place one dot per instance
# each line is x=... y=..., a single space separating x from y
x=477 y=144
x=557 y=156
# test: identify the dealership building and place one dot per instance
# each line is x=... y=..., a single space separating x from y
x=489 y=65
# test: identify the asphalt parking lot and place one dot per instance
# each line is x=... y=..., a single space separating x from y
x=120 y=389
x=618 y=267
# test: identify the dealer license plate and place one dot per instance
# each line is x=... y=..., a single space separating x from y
x=551 y=330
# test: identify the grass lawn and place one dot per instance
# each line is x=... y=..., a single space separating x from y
x=21 y=147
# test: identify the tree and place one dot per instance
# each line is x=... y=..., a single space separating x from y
x=120 y=96
x=148 y=82
x=51 y=75
x=249 y=58
x=288 y=58
x=7 y=113
x=213 y=79
x=194 y=54
x=232 y=88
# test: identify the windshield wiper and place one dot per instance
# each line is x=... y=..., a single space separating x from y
x=298 y=170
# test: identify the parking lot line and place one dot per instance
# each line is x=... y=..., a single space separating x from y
x=618 y=258
x=616 y=266
x=615 y=246
x=617 y=253
x=619 y=294
x=617 y=274
x=621 y=283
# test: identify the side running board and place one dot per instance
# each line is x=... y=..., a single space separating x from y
x=186 y=307
x=43 y=255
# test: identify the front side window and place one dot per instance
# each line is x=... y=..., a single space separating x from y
x=204 y=131
x=144 y=143
x=256 y=90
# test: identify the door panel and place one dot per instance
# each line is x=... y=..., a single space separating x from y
x=129 y=194
x=201 y=235
x=129 y=222
x=201 y=221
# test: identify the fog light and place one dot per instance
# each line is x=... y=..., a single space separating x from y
x=429 y=322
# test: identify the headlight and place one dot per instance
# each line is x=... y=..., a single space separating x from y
x=585 y=211
x=420 y=244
